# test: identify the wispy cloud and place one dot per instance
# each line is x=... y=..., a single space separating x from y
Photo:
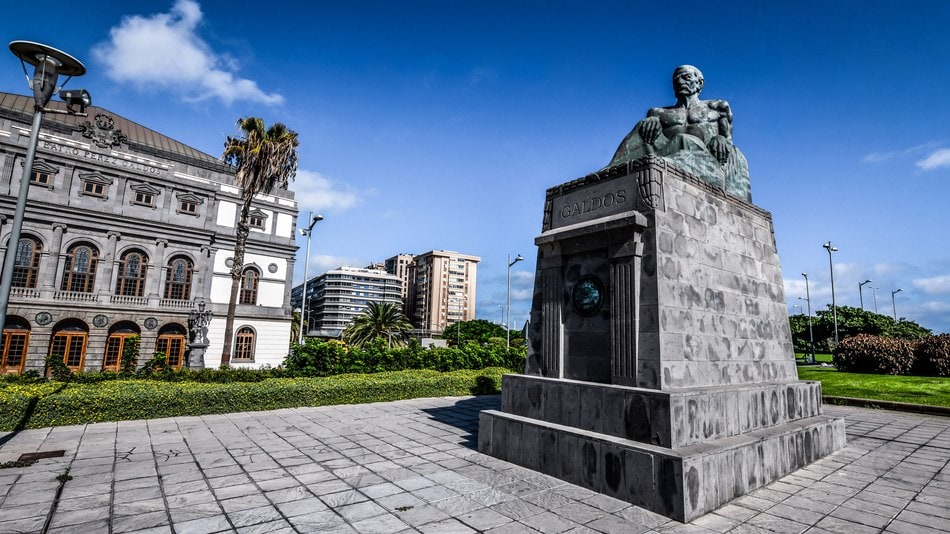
x=318 y=193
x=322 y=263
x=937 y=285
x=164 y=50
x=877 y=157
x=935 y=160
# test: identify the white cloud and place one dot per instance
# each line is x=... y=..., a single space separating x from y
x=318 y=193
x=165 y=50
x=935 y=160
x=936 y=285
x=876 y=157
x=881 y=269
x=320 y=264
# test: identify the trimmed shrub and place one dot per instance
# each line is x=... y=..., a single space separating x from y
x=865 y=353
x=326 y=358
x=116 y=400
x=933 y=356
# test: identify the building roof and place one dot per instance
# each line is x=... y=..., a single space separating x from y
x=19 y=108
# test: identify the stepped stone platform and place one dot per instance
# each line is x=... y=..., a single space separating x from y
x=660 y=364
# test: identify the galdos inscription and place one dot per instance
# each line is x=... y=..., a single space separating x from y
x=101 y=158
x=590 y=203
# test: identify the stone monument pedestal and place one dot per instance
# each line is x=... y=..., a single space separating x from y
x=660 y=364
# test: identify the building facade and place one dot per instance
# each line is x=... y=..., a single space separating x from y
x=399 y=266
x=340 y=295
x=126 y=230
x=442 y=287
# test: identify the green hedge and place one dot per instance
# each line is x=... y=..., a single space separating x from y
x=327 y=358
x=116 y=400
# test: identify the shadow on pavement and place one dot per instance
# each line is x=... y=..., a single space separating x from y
x=464 y=415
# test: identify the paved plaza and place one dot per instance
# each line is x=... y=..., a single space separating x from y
x=412 y=466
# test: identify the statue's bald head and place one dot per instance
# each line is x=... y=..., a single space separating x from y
x=687 y=80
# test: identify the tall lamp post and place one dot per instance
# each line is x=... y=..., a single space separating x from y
x=874 y=292
x=508 y=316
x=811 y=335
x=861 y=291
x=314 y=219
x=894 y=302
x=834 y=309
x=48 y=63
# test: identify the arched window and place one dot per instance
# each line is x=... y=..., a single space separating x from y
x=27 y=264
x=244 y=345
x=69 y=341
x=171 y=343
x=132 y=270
x=249 y=282
x=178 y=283
x=80 y=272
x=116 y=344
x=16 y=338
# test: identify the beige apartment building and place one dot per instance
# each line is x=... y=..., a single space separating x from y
x=441 y=290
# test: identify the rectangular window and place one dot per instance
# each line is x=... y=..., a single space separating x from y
x=144 y=199
x=94 y=189
x=256 y=221
x=40 y=177
x=188 y=206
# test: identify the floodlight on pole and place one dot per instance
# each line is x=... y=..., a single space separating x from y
x=48 y=63
x=834 y=309
x=894 y=302
x=508 y=308
x=861 y=291
x=811 y=335
x=314 y=219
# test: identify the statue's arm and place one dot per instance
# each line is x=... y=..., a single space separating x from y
x=650 y=127
x=719 y=144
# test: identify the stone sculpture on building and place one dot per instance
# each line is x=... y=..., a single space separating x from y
x=693 y=134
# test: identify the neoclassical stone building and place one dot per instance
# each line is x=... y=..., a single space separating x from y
x=126 y=230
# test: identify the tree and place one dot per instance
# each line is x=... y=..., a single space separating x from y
x=380 y=320
x=851 y=322
x=263 y=158
x=478 y=330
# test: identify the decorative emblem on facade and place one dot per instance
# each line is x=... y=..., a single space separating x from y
x=43 y=318
x=151 y=323
x=229 y=262
x=100 y=320
x=103 y=133
x=588 y=296
x=650 y=183
x=272 y=268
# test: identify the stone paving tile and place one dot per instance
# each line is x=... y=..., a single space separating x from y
x=409 y=466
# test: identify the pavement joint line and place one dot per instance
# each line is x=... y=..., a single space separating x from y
x=919 y=491
x=204 y=477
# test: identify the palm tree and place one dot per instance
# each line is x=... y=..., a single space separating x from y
x=380 y=319
x=263 y=158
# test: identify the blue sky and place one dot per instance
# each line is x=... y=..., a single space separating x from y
x=439 y=125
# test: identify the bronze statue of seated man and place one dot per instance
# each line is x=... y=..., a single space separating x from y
x=693 y=134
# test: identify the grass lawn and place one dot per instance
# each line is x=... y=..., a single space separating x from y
x=914 y=389
x=819 y=357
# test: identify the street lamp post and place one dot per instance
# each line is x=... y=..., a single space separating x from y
x=508 y=315
x=894 y=302
x=308 y=231
x=48 y=63
x=874 y=292
x=861 y=291
x=799 y=306
x=811 y=335
x=834 y=310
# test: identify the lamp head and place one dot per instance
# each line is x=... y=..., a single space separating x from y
x=48 y=63
x=76 y=97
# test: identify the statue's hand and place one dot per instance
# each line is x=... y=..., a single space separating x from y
x=650 y=129
x=719 y=148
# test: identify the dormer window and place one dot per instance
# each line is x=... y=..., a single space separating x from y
x=188 y=203
x=40 y=178
x=95 y=185
x=144 y=195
